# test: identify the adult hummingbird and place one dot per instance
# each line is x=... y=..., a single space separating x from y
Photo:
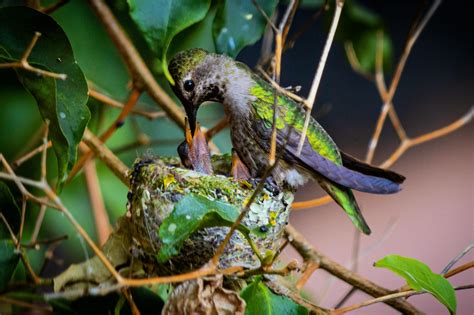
x=248 y=100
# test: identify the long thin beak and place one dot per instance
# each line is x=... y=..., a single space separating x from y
x=191 y=112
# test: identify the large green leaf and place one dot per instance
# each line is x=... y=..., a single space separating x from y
x=191 y=213
x=261 y=301
x=238 y=23
x=161 y=20
x=62 y=102
x=420 y=278
x=10 y=210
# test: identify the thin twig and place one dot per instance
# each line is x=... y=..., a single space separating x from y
x=22 y=221
x=44 y=153
x=114 y=103
x=118 y=122
x=311 y=267
x=280 y=37
x=319 y=72
x=280 y=89
x=386 y=108
x=283 y=290
x=20 y=251
x=31 y=154
x=24 y=64
x=101 y=218
x=144 y=141
x=457 y=258
x=223 y=123
x=264 y=14
x=38 y=224
x=9 y=228
x=37 y=243
x=306 y=25
x=354 y=266
x=365 y=252
x=128 y=295
x=53 y=7
x=459 y=269
x=105 y=155
x=405 y=145
x=389 y=297
x=220 y=250
x=8 y=300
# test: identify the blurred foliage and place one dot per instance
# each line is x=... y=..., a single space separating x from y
x=239 y=24
x=358 y=31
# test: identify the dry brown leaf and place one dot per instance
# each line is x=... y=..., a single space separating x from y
x=204 y=296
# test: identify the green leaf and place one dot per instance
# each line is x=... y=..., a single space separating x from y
x=365 y=49
x=420 y=278
x=10 y=211
x=261 y=301
x=197 y=36
x=238 y=23
x=163 y=290
x=8 y=261
x=191 y=213
x=62 y=102
x=161 y=20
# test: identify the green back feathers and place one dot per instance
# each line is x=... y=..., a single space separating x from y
x=291 y=114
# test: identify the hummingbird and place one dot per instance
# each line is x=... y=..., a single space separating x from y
x=249 y=103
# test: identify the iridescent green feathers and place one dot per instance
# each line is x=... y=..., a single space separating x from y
x=291 y=114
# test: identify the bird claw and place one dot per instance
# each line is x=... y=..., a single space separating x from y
x=239 y=171
x=269 y=185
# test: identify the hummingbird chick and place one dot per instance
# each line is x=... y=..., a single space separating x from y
x=249 y=102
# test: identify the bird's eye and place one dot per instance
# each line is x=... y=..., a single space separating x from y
x=188 y=85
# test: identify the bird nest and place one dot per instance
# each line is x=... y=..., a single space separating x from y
x=152 y=239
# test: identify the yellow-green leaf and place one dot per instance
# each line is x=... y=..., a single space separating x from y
x=420 y=278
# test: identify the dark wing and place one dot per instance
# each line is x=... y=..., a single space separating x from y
x=367 y=169
x=287 y=141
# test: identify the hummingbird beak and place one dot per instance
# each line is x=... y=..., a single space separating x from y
x=191 y=112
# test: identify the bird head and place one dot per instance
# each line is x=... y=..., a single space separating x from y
x=195 y=80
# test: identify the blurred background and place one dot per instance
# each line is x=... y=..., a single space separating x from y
x=432 y=219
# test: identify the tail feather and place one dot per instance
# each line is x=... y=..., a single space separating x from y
x=359 y=166
x=345 y=198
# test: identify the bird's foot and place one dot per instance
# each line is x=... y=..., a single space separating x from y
x=269 y=185
x=239 y=171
